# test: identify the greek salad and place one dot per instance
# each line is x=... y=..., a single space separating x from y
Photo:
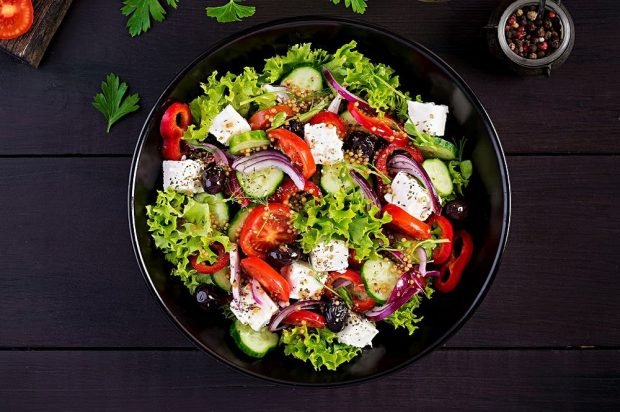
x=310 y=202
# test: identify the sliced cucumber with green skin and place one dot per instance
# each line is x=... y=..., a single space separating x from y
x=333 y=179
x=246 y=141
x=440 y=148
x=221 y=279
x=217 y=206
x=305 y=78
x=439 y=175
x=379 y=277
x=348 y=119
x=252 y=343
x=261 y=183
x=237 y=223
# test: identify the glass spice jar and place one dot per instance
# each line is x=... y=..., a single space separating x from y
x=527 y=43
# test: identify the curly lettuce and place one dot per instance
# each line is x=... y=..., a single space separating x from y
x=298 y=55
x=181 y=227
x=405 y=316
x=347 y=216
x=320 y=347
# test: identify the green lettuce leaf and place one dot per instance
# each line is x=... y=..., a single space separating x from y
x=181 y=227
x=461 y=172
x=317 y=346
x=341 y=215
x=405 y=316
x=298 y=55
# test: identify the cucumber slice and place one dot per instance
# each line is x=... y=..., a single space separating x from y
x=246 y=141
x=217 y=206
x=261 y=183
x=440 y=148
x=440 y=176
x=305 y=78
x=379 y=277
x=334 y=178
x=237 y=223
x=252 y=343
x=348 y=119
x=221 y=279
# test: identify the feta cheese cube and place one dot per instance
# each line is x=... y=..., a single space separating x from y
x=428 y=117
x=410 y=195
x=227 y=124
x=303 y=281
x=183 y=175
x=330 y=256
x=357 y=331
x=325 y=145
x=249 y=312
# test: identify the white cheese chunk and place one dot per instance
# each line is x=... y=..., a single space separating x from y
x=428 y=117
x=249 y=312
x=303 y=281
x=325 y=145
x=330 y=256
x=227 y=124
x=183 y=175
x=357 y=331
x=410 y=195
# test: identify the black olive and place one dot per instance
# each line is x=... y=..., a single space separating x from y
x=360 y=146
x=209 y=297
x=285 y=254
x=295 y=126
x=214 y=179
x=336 y=314
x=457 y=210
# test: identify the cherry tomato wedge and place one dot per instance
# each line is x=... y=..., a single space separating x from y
x=442 y=229
x=306 y=317
x=173 y=124
x=268 y=278
x=451 y=271
x=296 y=149
x=403 y=222
x=361 y=302
x=262 y=119
x=266 y=227
x=288 y=189
x=385 y=126
x=331 y=119
x=16 y=17
x=223 y=258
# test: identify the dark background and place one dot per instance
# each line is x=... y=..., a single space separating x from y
x=79 y=329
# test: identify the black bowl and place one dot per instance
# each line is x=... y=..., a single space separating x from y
x=422 y=73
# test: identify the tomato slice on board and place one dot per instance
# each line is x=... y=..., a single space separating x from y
x=262 y=119
x=268 y=278
x=296 y=149
x=222 y=260
x=266 y=227
x=360 y=300
x=306 y=317
x=403 y=222
x=333 y=119
x=16 y=17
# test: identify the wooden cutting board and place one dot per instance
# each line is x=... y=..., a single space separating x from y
x=31 y=47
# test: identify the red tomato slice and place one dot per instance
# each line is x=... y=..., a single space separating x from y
x=332 y=119
x=262 y=119
x=296 y=149
x=385 y=127
x=16 y=18
x=288 y=191
x=222 y=260
x=306 y=317
x=360 y=299
x=268 y=278
x=266 y=227
x=403 y=222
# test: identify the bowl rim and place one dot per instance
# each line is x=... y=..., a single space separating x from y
x=318 y=20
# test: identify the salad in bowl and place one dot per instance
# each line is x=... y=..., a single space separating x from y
x=309 y=200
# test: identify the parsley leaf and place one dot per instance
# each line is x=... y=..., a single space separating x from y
x=140 y=13
x=358 y=6
x=110 y=101
x=230 y=12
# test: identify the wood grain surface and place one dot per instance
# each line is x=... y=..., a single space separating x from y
x=79 y=330
x=31 y=47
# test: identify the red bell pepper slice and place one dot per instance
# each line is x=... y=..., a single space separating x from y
x=442 y=228
x=331 y=119
x=385 y=126
x=174 y=123
x=403 y=222
x=450 y=272
x=223 y=258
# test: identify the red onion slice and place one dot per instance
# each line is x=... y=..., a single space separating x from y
x=366 y=189
x=274 y=325
x=407 y=286
x=258 y=293
x=396 y=256
x=235 y=275
x=218 y=154
x=269 y=158
x=402 y=163
x=334 y=106
x=347 y=95
x=421 y=254
x=340 y=283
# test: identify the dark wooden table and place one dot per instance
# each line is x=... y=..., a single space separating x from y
x=79 y=329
